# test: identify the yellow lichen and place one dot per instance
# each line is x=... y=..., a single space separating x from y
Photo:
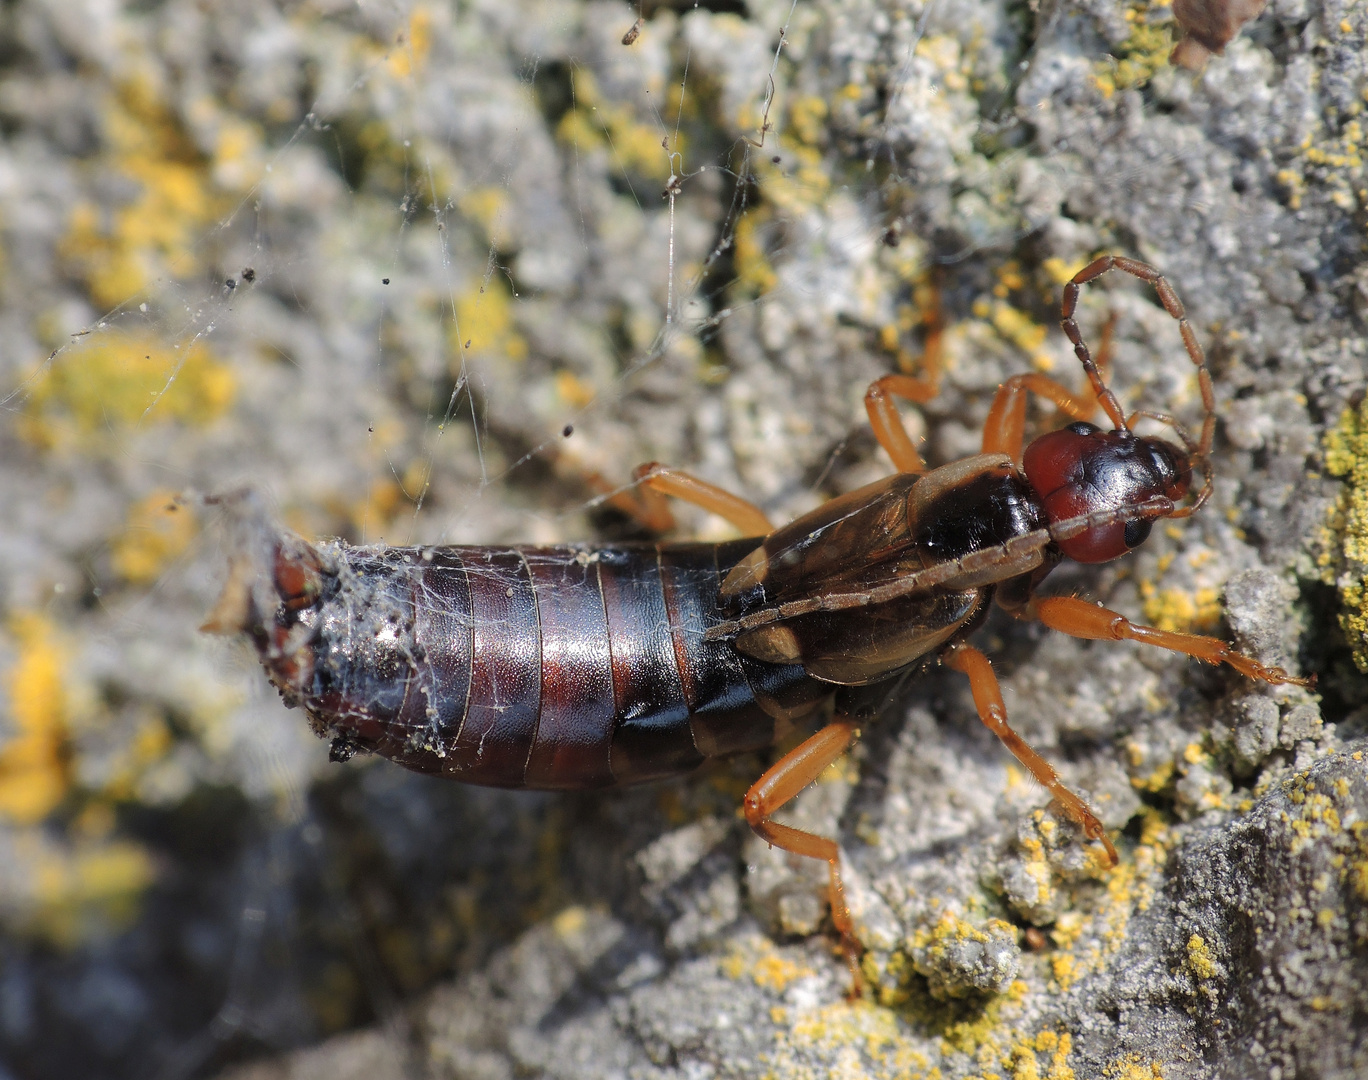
x=484 y=323
x=1144 y=52
x=757 y=958
x=118 y=251
x=1199 y=958
x=157 y=530
x=858 y=1039
x=1061 y=272
x=414 y=46
x=1018 y=328
x=34 y=774
x=91 y=888
x=596 y=124
x=799 y=182
x=1345 y=558
x=571 y=922
x=1179 y=610
x=113 y=381
x=152 y=741
x=489 y=208
x=807 y=119
x=755 y=275
x=933 y=946
x=1133 y=1067
x=1193 y=754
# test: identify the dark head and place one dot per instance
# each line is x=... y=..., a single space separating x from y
x=1082 y=470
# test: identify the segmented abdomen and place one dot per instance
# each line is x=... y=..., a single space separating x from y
x=542 y=667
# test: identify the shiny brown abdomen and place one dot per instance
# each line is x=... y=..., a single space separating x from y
x=538 y=667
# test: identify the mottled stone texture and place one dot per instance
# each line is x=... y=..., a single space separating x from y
x=407 y=272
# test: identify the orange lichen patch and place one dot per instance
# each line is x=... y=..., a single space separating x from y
x=119 y=250
x=757 y=958
x=1133 y=1067
x=157 y=530
x=34 y=770
x=112 y=381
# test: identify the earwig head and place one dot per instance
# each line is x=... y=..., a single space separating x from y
x=1081 y=470
x=1103 y=490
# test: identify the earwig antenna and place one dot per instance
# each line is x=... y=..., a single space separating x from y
x=960 y=573
x=1200 y=450
x=1150 y=510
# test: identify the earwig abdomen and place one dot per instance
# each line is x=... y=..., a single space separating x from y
x=551 y=667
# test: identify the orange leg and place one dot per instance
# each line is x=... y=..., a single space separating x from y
x=785 y=779
x=884 y=418
x=1080 y=619
x=988 y=701
x=659 y=480
x=1004 y=430
x=887 y=424
x=647 y=507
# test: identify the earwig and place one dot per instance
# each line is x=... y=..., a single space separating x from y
x=576 y=667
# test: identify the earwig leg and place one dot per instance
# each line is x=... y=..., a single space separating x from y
x=781 y=782
x=659 y=480
x=988 y=701
x=884 y=418
x=1080 y=619
x=1004 y=430
x=647 y=507
x=887 y=424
